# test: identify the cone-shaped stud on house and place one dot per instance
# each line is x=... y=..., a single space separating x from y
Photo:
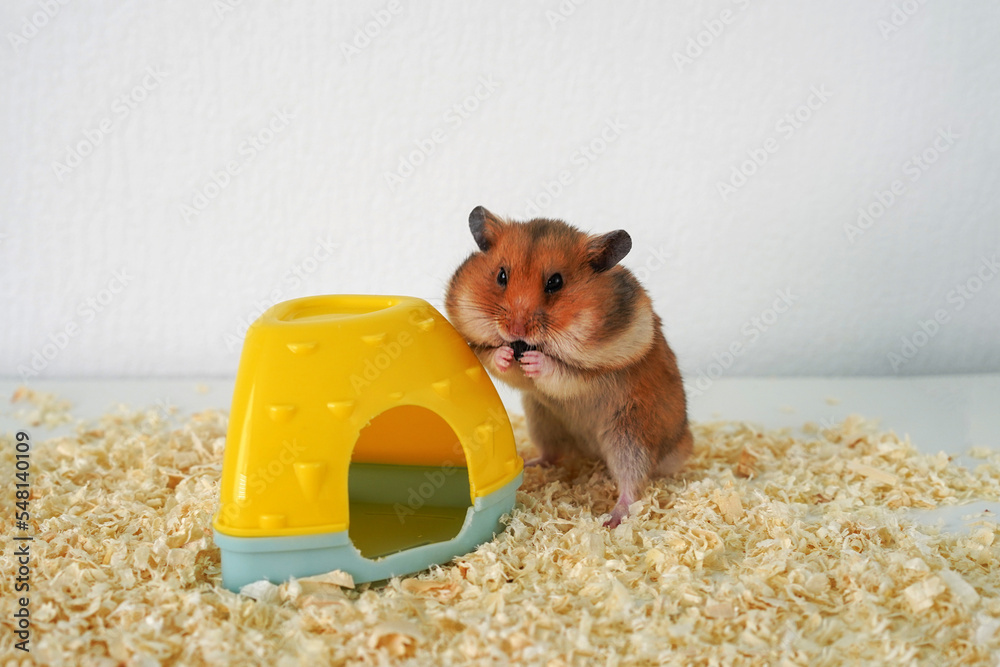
x=281 y=413
x=310 y=475
x=272 y=521
x=341 y=409
x=443 y=388
x=306 y=347
x=474 y=372
x=374 y=339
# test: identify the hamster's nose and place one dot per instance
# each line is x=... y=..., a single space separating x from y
x=516 y=328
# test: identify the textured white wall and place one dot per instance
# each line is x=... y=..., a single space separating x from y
x=171 y=169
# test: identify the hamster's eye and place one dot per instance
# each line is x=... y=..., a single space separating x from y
x=502 y=278
x=554 y=283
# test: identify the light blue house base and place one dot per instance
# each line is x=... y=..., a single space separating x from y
x=276 y=559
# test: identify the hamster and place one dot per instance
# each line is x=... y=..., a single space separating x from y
x=549 y=310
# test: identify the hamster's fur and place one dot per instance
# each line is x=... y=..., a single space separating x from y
x=598 y=378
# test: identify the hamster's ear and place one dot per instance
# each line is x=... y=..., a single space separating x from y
x=484 y=226
x=606 y=250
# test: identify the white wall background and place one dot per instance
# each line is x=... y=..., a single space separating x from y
x=894 y=76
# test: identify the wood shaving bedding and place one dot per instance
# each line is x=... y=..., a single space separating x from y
x=46 y=409
x=770 y=548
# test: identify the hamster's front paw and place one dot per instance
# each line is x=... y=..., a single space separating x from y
x=536 y=364
x=502 y=357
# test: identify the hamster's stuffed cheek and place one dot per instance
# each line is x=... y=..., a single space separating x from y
x=580 y=325
x=567 y=337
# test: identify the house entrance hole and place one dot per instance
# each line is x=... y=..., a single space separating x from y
x=408 y=483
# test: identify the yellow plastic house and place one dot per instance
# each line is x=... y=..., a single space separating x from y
x=364 y=436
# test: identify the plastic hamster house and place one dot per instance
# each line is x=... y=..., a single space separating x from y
x=364 y=436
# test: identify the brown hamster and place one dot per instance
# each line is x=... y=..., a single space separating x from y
x=548 y=310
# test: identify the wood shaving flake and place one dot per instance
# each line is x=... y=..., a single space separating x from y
x=769 y=548
x=729 y=504
x=960 y=588
x=745 y=465
x=441 y=590
x=720 y=610
x=399 y=637
x=872 y=473
x=336 y=578
x=921 y=594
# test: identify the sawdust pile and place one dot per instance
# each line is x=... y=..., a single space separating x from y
x=770 y=548
x=41 y=408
